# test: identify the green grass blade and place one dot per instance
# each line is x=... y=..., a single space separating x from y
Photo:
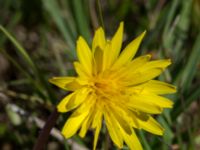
x=144 y=141
x=37 y=86
x=183 y=26
x=81 y=19
x=21 y=50
x=195 y=94
x=40 y=79
x=68 y=16
x=168 y=34
x=191 y=67
x=54 y=10
x=15 y=19
x=170 y=17
x=168 y=134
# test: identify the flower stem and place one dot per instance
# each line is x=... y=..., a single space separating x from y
x=44 y=133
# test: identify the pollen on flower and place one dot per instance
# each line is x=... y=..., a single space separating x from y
x=113 y=86
x=105 y=87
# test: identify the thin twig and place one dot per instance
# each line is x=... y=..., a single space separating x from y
x=44 y=134
x=40 y=124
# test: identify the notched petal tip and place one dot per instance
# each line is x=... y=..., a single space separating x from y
x=50 y=80
x=162 y=132
x=121 y=24
x=99 y=29
x=168 y=62
x=64 y=134
x=173 y=89
x=170 y=104
x=80 y=38
x=54 y=81
x=60 y=109
x=148 y=56
x=79 y=41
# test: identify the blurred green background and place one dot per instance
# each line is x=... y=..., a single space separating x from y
x=37 y=41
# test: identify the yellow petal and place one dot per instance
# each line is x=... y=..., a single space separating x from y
x=151 y=125
x=112 y=48
x=97 y=116
x=79 y=98
x=134 y=123
x=84 y=55
x=66 y=83
x=107 y=54
x=129 y=52
x=158 y=87
x=97 y=123
x=144 y=106
x=73 y=124
x=116 y=42
x=146 y=72
x=149 y=103
x=122 y=118
x=141 y=77
x=98 y=40
x=131 y=67
x=62 y=105
x=113 y=129
x=73 y=100
x=87 y=122
x=131 y=140
x=98 y=60
x=85 y=125
x=96 y=135
x=80 y=70
x=156 y=64
x=75 y=120
x=138 y=62
x=157 y=100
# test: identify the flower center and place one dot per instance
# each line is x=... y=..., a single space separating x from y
x=106 y=87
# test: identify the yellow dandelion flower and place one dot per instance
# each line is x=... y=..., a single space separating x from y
x=112 y=86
